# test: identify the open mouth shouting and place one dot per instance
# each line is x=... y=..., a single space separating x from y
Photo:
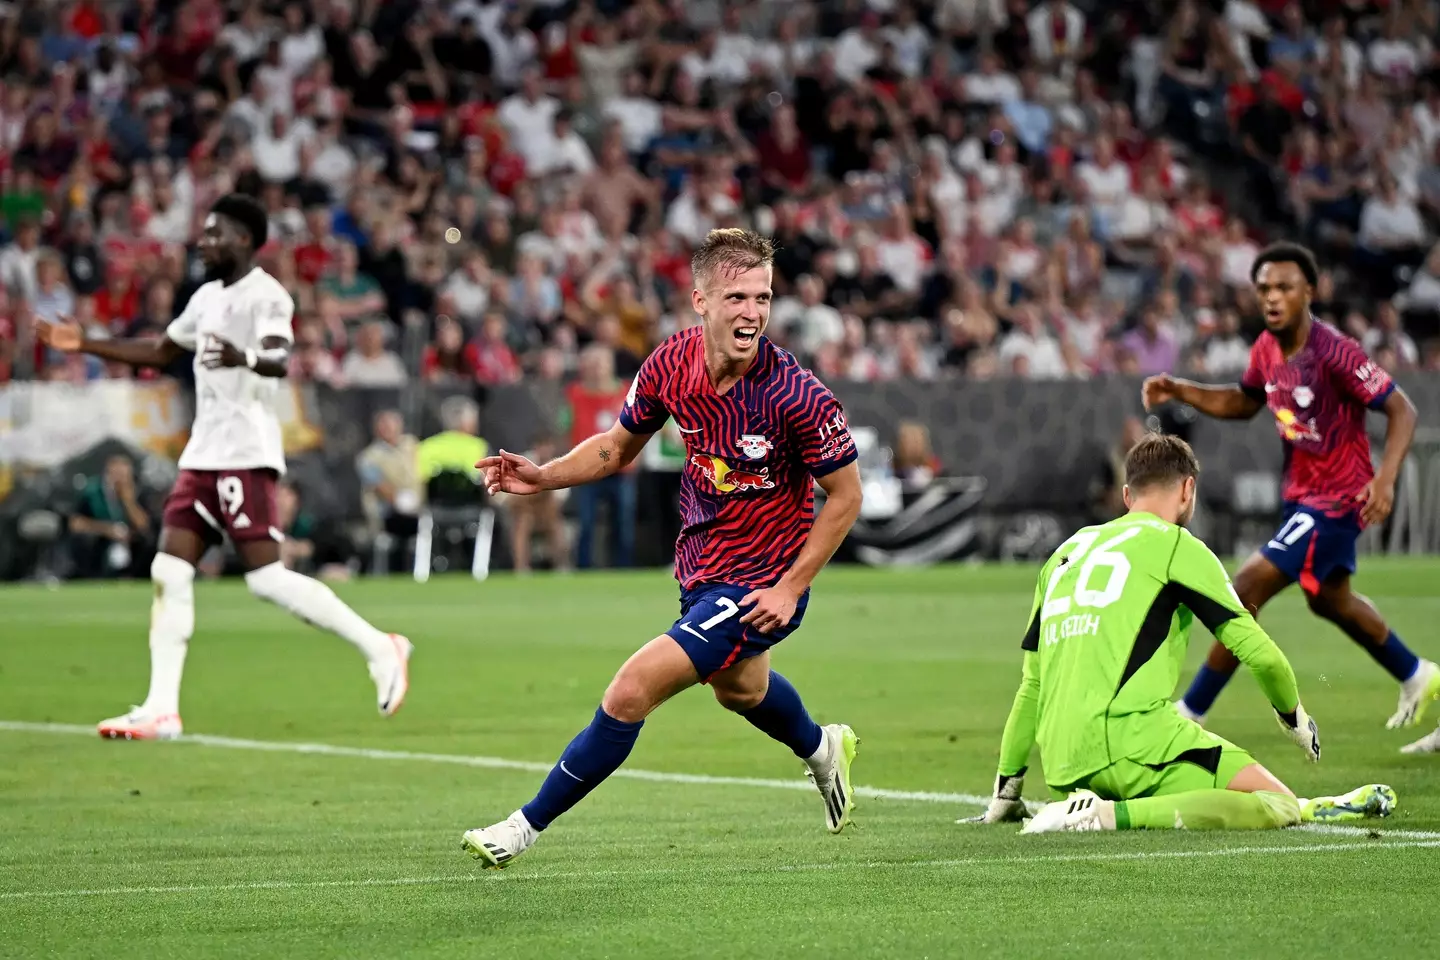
x=745 y=336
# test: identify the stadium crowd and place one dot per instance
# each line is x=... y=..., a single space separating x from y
x=476 y=191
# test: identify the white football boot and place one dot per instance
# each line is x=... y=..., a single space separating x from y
x=392 y=676
x=1081 y=811
x=141 y=724
x=1416 y=695
x=498 y=844
x=829 y=770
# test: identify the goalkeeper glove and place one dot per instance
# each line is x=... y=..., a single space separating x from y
x=1301 y=729
x=1006 y=805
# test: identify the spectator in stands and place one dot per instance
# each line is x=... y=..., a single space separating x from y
x=111 y=533
x=1153 y=343
x=392 y=491
x=915 y=462
x=370 y=364
x=595 y=401
x=19 y=260
x=1392 y=235
x=540 y=515
x=310 y=545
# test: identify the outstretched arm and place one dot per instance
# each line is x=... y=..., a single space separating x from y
x=69 y=338
x=1229 y=401
x=590 y=460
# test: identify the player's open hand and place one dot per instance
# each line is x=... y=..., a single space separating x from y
x=1302 y=731
x=221 y=353
x=774 y=606
x=1158 y=390
x=508 y=472
x=64 y=334
x=1377 y=499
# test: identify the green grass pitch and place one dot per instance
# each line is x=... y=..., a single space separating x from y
x=234 y=848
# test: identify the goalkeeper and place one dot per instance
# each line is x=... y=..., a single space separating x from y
x=1107 y=638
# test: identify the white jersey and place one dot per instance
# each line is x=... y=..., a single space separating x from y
x=235 y=423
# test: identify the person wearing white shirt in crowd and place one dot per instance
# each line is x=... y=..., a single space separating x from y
x=276 y=150
x=1226 y=351
x=169 y=217
x=1032 y=340
x=902 y=255
x=1426 y=115
x=18 y=261
x=529 y=118
x=1389 y=223
x=1107 y=183
x=302 y=43
x=327 y=158
x=370 y=364
x=1389 y=331
x=701 y=207
x=640 y=117
x=725 y=64
x=990 y=84
x=1237 y=254
x=858 y=49
x=1056 y=50
x=1351 y=57
x=807 y=321
x=247 y=36
x=469 y=287
x=1424 y=290
x=1394 y=55
x=787 y=54
x=562 y=152
x=276 y=81
x=605 y=62
x=912 y=41
x=512 y=46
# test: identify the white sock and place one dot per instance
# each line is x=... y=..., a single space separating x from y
x=315 y=603
x=172 y=621
x=819 y=761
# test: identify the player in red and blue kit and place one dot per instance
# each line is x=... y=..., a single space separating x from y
x=1318 y=384
x=760 y=431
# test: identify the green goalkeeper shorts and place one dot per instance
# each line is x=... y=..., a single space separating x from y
x=1196 y=760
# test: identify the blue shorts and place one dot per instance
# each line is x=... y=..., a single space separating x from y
x=1311 y=547
x=711 y=634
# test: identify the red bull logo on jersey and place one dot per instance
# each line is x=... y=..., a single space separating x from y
x=1294 y=429
x=728 y=479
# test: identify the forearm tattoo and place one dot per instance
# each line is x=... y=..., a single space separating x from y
x=605 y=454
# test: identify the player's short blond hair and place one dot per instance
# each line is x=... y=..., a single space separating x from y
x=730 y=251
x=1160 y=459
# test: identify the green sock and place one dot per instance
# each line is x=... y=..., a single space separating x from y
x=1208 y=810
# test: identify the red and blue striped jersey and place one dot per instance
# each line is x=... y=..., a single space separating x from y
x=1319 y=398
x=747 y=498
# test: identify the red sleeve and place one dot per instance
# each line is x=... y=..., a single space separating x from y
x=1252 y=381
x=644 y=411
x=818 y=424
x=1357 y=376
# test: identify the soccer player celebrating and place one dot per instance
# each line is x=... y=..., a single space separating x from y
x=1318 y=383
x=757 y=429
x=1108 y=632
x=238 y=324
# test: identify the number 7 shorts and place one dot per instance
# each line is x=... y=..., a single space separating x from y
x=711 y=634
x=1311 y=547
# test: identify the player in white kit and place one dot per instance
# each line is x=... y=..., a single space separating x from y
x=238 y=326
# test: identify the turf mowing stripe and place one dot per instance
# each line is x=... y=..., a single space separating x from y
x=262 y=885
x=654 y=776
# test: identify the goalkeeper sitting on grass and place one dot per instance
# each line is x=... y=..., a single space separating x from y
x=1107 y=638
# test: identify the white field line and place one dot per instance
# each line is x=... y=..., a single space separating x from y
x=654 y=776
x=749 y=869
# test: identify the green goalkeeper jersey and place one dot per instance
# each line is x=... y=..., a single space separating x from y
x=1108 y=631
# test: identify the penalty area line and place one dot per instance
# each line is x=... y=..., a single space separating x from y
x=624 y=773
x=459 y=879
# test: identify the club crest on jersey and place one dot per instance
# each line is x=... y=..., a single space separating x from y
x=728 y=479
x=754 y=446
x=1303 y=395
